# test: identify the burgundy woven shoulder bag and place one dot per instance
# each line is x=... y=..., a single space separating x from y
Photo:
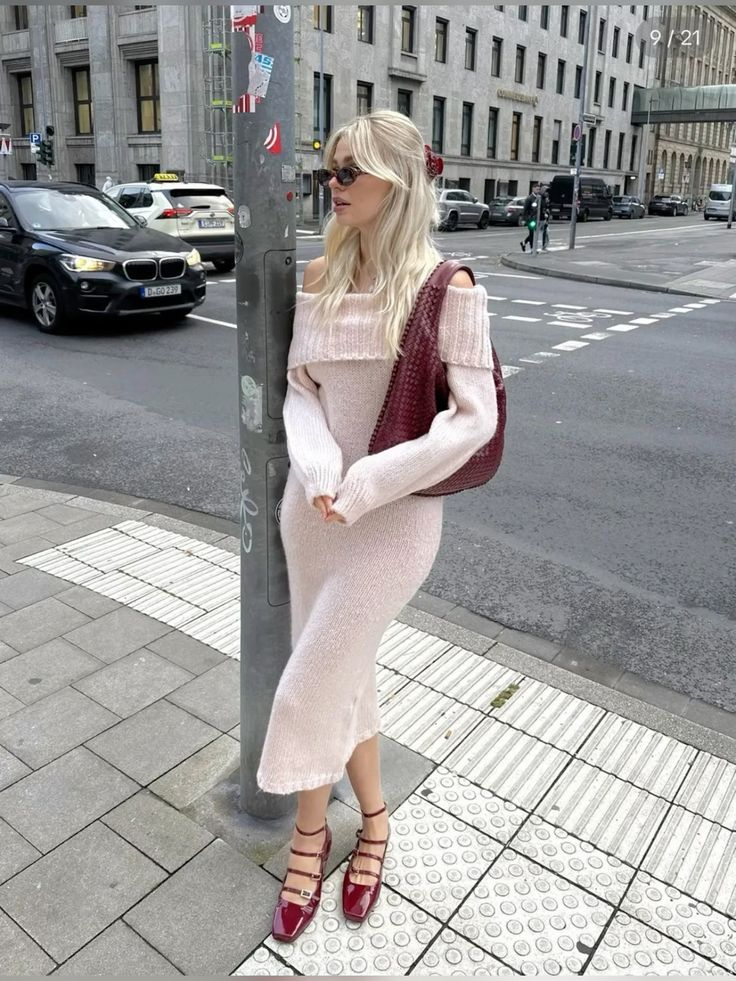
x=418 y=390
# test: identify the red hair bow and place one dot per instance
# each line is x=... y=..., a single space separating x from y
x=434 y=162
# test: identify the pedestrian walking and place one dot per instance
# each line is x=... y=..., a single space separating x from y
x=107 y=185
x=545 y=214
x=530 y=214
x=358 y=539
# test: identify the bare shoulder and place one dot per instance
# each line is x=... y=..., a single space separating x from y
x=314 y=273
x=462 y=279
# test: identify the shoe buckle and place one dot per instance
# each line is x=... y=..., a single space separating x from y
x=305 y=894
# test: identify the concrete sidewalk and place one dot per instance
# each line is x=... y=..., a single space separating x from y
x=702 y=266
x=549 y=815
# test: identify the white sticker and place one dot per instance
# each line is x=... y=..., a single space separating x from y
x=282 y=11
x=244 y=216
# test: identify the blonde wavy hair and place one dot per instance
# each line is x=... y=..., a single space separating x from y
x=388 y=145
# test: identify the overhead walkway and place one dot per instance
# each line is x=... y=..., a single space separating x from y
x=697 y=104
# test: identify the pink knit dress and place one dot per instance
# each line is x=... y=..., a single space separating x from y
x=349 y=581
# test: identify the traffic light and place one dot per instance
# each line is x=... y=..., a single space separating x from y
x=42 y=153
x=316 y=144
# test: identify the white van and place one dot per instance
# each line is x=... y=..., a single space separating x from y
x=717 y=202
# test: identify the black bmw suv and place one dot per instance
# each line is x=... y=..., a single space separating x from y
x=66 y=249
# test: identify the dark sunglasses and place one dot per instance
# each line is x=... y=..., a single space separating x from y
x=345 y=176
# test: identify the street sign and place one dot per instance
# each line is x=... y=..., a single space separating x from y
x=6 y=145
x=660 y=175
x=577 y=132
x=34 y=148
x=34 y=138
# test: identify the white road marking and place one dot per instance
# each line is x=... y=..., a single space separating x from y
x=545 y=354
x=622 y=328
x=695 y=306
x=509 y=369
x=679 y=310
x=566 y=323
x=704 y=300
x=513 y=276
x=644 y=320
x=531 y=303
x=496 y=297
x=619 y=313
x=209 y=320
x=531 y=360
x=226 y=281
x=526 y=320
x=568 y=306
x=596 y=336
x=570 y=345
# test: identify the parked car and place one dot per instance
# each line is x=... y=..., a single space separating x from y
x=594 y=200
x=718 y=202
x=458 y=207
x=201 y=215
x=627 y=206
x=66 y=249
x=668 y=204
x=507 y=211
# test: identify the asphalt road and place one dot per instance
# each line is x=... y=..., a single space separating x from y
x=609 y=527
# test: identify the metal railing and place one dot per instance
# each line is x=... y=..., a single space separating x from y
x=74 y=29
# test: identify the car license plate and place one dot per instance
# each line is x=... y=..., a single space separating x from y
x=211 y=222
x=170 y=290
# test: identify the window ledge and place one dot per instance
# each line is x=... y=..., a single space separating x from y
x=144 y=139
x=81 y=139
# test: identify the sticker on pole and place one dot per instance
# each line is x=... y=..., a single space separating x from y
x=273 y=141
x=259 y=75
x=282 y=12
x=243 y=16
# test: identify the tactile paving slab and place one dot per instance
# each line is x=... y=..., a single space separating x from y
x=550 y=714
x=408 y=650
x=531 y=919
x=388 y=943
x=262 y=962
x=513 y=765
x=696 y=856
x=611 y=814
x=640 y=755
x=475 y=805
x=452 y=955
x=710 y=790
x=694 y=924
x=468 y=677
x=632 y=949
x=434 y=859
x=579 y=861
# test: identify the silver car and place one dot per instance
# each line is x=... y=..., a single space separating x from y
x=458 y=208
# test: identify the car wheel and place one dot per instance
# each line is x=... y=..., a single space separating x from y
x=451 y=223
x=607 y=217
x=584 y=215
x=223 y=265
x=484 y=221
x=705 y=217
x=46 y=302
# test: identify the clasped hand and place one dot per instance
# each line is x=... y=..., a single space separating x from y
x=324 y=506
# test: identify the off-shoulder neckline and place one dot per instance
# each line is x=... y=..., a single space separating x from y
x=450 y=288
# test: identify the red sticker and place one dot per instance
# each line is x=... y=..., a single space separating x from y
x=273 y=141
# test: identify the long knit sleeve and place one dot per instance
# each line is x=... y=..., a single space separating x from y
x=313 y=452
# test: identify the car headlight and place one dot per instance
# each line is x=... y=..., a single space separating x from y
x=194 y=258
x=83 y=263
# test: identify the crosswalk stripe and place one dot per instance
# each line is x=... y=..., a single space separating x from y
x=623 y=328
x=596 y=336
x=564 y=323
x=531 y=303
x=570 y=345
x=644 y=320
x=568 y=306
x=619 y=313
x=526 y=320
x=500 y=298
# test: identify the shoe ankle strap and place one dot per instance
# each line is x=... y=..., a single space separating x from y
x=310 y=834
x=375 y=813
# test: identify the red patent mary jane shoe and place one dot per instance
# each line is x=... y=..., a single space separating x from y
x=290 y=919
x=357 y=899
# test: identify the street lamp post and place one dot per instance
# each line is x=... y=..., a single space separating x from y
x=581 y=127
x=321 y=111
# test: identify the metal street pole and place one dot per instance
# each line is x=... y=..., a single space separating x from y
x=581 y=124
x=265 y=249
x=321 y=111
x=733 y=178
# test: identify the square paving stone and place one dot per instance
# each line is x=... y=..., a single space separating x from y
x=152 y=741
x=38 y=623
x=6 y=653
x=158 y=830
x=117 y=946
x=188 y=653
x=18 y=953
x=46 y=669
x=23 y=588
x=52 y=726
x=55 y=802
x=210 y=914
x=9 y=704
x=128 y=685
x=11 y=554
x=64 y=514
x=87 y=601
x=198 y=774
x=11 y=768
x=67 y=897
x=69 y=533
x=213 y=696
x=13 y=503
x=22 y=526
x=15 y=854
x=116 y=634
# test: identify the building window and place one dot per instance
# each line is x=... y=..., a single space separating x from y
x=515 y=135
x=327 y=107
x=620 y=154
x=582 y=25
x=629 y=48
x=146 y=171
x=25 y=102
x=82 y=101
x=492 y=141
x=591 y=145
x=438 y=124
x=365 y=24
x=20 y=13
x=560 y=76
x=496 y=57
x=611 y=92
x=597 y=88
x=602 y=35
x=556 y=131
x=541 y=69
x=498 y=6
x=408 y=24
x=520 y=60
x=625 y=100
x=471 y=37
x=322 y=17
x=616 y=39
x=646 y=11
x=147 y=97
x=440 y=40
x=28 y=172
x=466 y=140
x=606 y=148
x=523 y=11
x=78 y=10
x=642 y=52
x=544 y=17
x=632 y=157
x=564 y=19
x=86 y=174
x=536 y=139
x=403 y=102
x=365 y=98
x=578 y=80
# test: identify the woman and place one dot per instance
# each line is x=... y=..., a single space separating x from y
x=358 y=543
